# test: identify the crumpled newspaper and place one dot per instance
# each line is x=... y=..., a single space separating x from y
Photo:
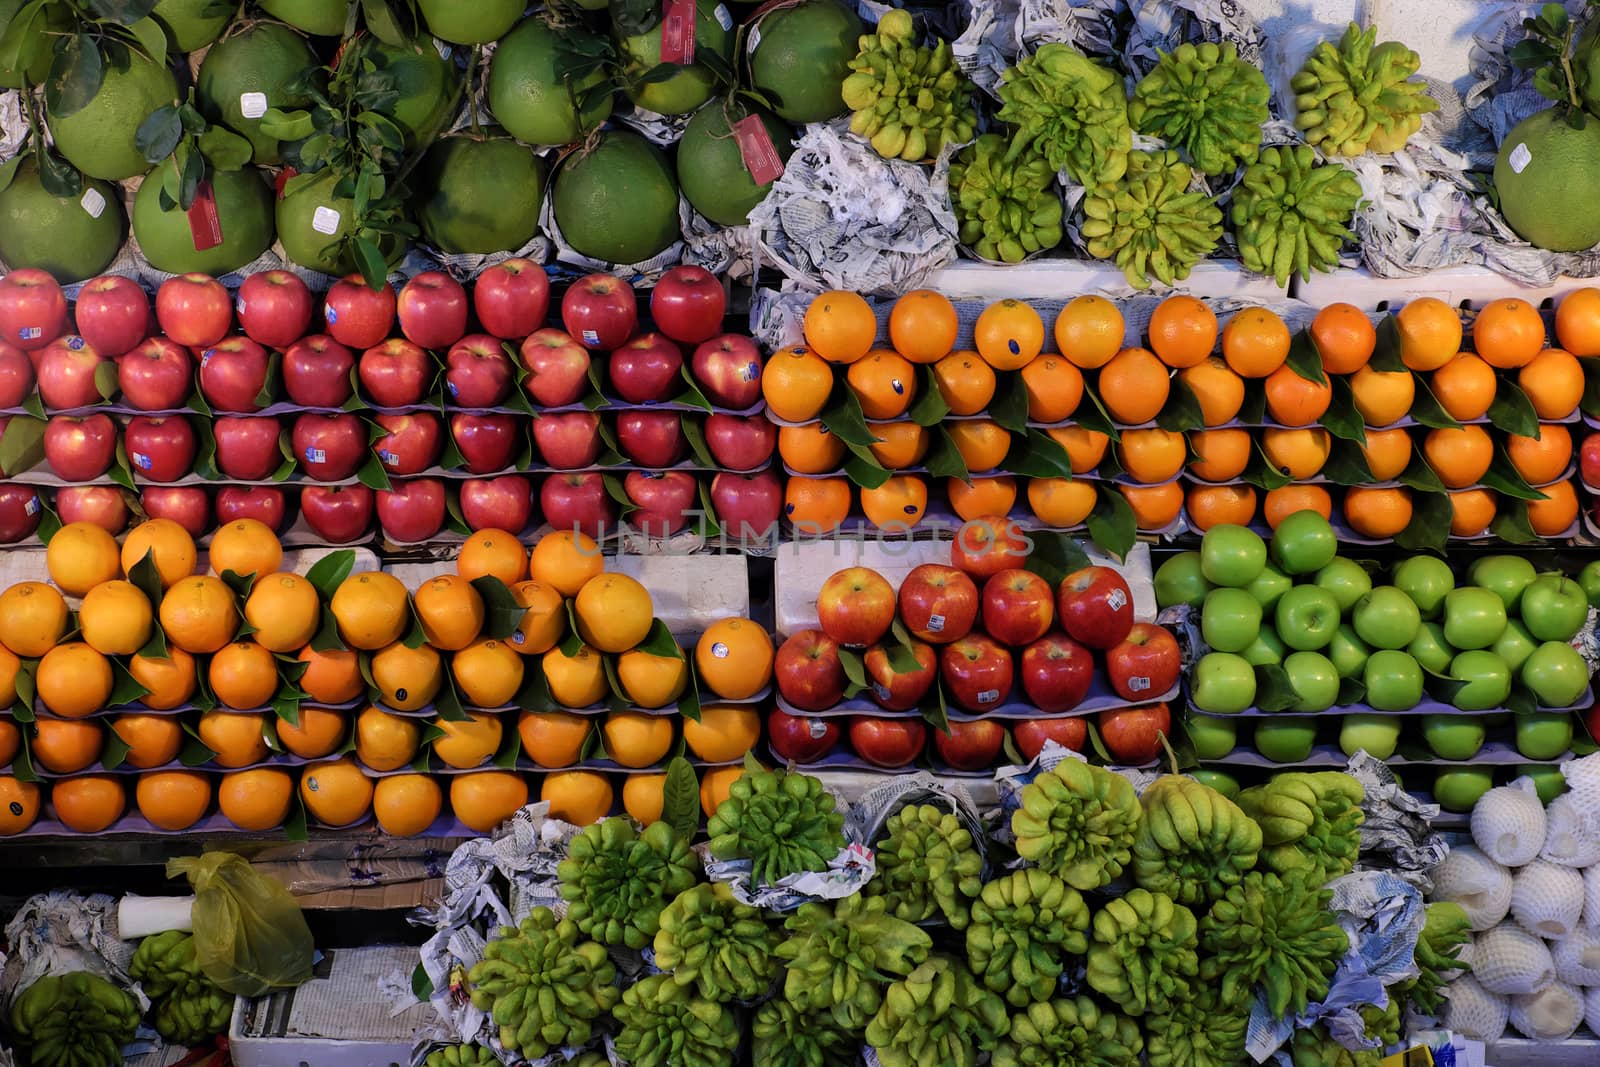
x=13 y=125
x=867 y=815
x=847 y=873
x=1398 y=826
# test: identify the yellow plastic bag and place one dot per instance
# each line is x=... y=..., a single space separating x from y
x=249 y=935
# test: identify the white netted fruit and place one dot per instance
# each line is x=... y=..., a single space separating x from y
x=1591 y=1008
x=1510 y=960
x=1473 y=1011
x=1547 y=898
x=1480 y=885
x=1549 y=1015
x=1568 y=840
x=1591 y=899
x=1508 y=824
x=1577 y=957
x=1467 y=953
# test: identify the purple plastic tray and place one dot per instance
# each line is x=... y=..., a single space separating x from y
x=1100 y=698
x=1427 y=706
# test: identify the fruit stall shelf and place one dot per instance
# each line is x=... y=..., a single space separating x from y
x=1425 y=707
x=1464 y=286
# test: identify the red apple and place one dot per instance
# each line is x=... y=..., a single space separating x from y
x=651 y=438
x=1056 y=672
x=1095 y=606
x=646 y=370
x=970 y=746
x=1018 y=607
x=67 y=369
x=747 y=505
x=410 y=443
x=316 y=372
x=600 y=311
x=800 y=738
x=977 y=672
x=80 y=448
x=856 y=606
x=1133 y=735
x=159 y=449
x=274 y=308
x=688 y=304
x=662 y=501
x=432 y=309
x=568 y=440
x=904 y=691
x=16 y=376
x=512 y=298
x=740 y=442
x=413 y=510
x=487 y=443
x=503 y=503
x=395 y=374
x=234 y=375
x=988 y=545
x=113 y=314
x=1146 y=664
x=248 y=448
x=188 y=506
x=1591 y=720
x=938 y=604
x=338 y=514
x=1031 y=735
x=578 y=502
x=478 y=373
x=264 y=503
x=156 y=376
x=808 y=671
x=888 y=743
x=33 y=309
x=1589 y=460
x=356 y=315
x=329 y=448
x=557 y=366
x=102 y=505
x=20 y=512
x=194 y=310
x=728 y=369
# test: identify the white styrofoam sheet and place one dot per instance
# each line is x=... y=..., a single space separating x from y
x=1056 y=279
x=1473 y=286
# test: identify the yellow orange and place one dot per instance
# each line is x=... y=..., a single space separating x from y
x=922 y=326
x=1089 y=330
x=840 y=327
x=237 y=738
x=734 y=658
x=450 y=610
x=405 y=805
x=284 y=609
x=116 y=618
x=576 y=681
x=407 y=678
x=243 y=675
x=371 y=610
x=1008 y=334
x=80 y=556
x=488 y=673
x=577 y=797
x=564 y=560
x=543 y=621
x=32 y=618
x=483 y=800
x=257 y=800
x=336 y=793
x=637 y=738
x=73 y=680
x=469 y=743
x=386 y=742
x=493 y=553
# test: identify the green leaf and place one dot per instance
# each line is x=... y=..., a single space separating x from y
x=122 y=12
x=1386 y=355
x=680 y=798
x=1429 y=528
x=1009 y=408
x=935 y=712
x=421 y=984
x=383 y=23
x=1304 y=359
x=158 y=135
x=374 y=268
x=1273 y=691
x=1426 y=409
x=944 y=459
x=105 y=379
x=21 y=32
x=327 y=637
x=1347 y=465
x=124 y=688
x=1512 y=412
x=1055 y=555
x=1035 y=454
x=1504 y=478
x=21 y=445
x=1342 y=420
x=1111 y=523
x=1511 y=524
x=329 y=572
x=147 y=578
x=901 y=651
x=501 y=612
x=75 y=76
x=844 y=418
x=930 y=408
x=8 y=169
x=58 y=177
x=152 y=38
x=1095 y=416
x=863 y=468
x=1418 y=475
x=1261 y=473
x=226 y=150
x=1181 y=413
x=855 y=671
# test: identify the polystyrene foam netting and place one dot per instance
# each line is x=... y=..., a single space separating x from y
x=1577 y=957
x=1512 y=961
x=1547 y=898
x=1480 y=885
x=1473 y=1011
x=1551 y=1014
x=1591 y=1008
x=1569 y=837
x=1591 y=899
x=1508 y=823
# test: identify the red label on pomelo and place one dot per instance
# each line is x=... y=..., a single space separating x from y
x=283 y=179
x=205 y=225
x=761 y=157
x=677 y=32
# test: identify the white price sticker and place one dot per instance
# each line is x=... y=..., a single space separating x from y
x=325 y=220
x=724 y=19
x=93 y=202
x=252 y=105
x=1520 y=158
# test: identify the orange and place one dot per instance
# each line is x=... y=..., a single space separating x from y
x=66 y=746
x=1299 y=453
x=1471 y=511
x=554 y=739
x=483 y=800
x=170 y=681
x=256 y=801
x=1344 y=337
x=73 y=680
x=1255 y=343
x=495 y=553
x=10 y=742
x=840 y=327
x=173 y=800
x=488 y=673
x=652 y=681
x=796 y=384
x=450 y=610
x=1219 y=391
x=199 y=615
x=10 y=666
x=1544 y=458
x=1464 y=387
x=644 y=797
x=922 y=326
x=285 y=609
x=899 y=444
x=243 y=675
x=1388 y=453
x=337 y=793
x=1284 y=501
x=1054 y=386
x=1155 y=507
x=1183 y=331
x=407 y=678
x=1214 y=505
x=1008 y=334
x=965 y=381
x=90 y=803
x=714 y=785
x=724 y=733
x=80 y=556
x=116 y=618
x=577 y=797
x=983 y=444
x=1221 y=455
x=1430 y=333
x=405 y=805
x=637 y=738
x=1134 y=386
x=168 y=543
x=614 y=612
x=564 y=560
x=371 y=610
x=1377 y=513
x=1061 y=503
x=1508 y=333
x=1089 y=330
x=1554 y=515
x=235 y=737
x=1085 y=448
x=981 y=496
x=332 y=677
x=1151 y=456
x=544 y=618
x=32 y=618
x=898 y=504
x=577 y=681
x=316 y=732
x=1459 y=457
x=386 y=742
x=19 y=805
x=245 y=547
x=1296 y=401
x=810 y=449
x=815 y=506
x=469 y=743
x=1553 y=382
x=884 y=382
x=1381 y=397
x=1578 y=322
x=734 y=658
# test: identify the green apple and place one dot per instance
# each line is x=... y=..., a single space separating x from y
x=1377 y=734
x=1348 y=652
x=1346 y=579
x=1487 y=678
x=1548 y=781
x=1556 y=674
x=1589 y=578
x=1314 y=680
x=1425 y=579
x=1514 y=645
x=1554 y=607
x=1223 y=683
x=1453 y=737
x=1221 y=781
x=1304 y=542
x=1393 y=679
x=1430 y=649
x=1386 y=618
x=1307 y=617
x=1232 y=555
x=1474 y=616
x=1179 y=581
x=1505 y=576
x=1266 y=650
x=1458 y=788
x=1286 y=740
x=1544 y=735
x=1212 y=738
x=1230 y=619
x=1269 y=585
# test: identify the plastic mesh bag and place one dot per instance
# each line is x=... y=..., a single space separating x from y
x=1549 y=1015
x=250 y=936
x=1475 y=1012
x=1510 y=960
x=1547 y=898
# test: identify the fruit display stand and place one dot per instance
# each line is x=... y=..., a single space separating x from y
x=1049 y=279
x=1457 y=286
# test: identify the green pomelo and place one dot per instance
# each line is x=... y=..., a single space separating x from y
x=478 y=22
x=617 y=203
x=99 y=138
x=193 y=24
x=244 y=215
x=529 y=84
x=803 y=57
x=321 y=18
x=479 y=195
x=1545 y=170
x=59 y=234
x=711 y=170
x=249 y=72
x=427 y=84
x=315 y=238
x=692 y=85
x=34 y=56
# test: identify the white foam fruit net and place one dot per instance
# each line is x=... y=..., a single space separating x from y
x=1547 y=898
x=1508 y=823
x=1512 y=961
x=1473 y=1011
x=1551 y=1014
x=1577 y=957
x=1480 y=885
x=1569 y=837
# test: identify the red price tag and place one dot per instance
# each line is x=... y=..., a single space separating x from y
x=677 y=32
x=761 y=157
x=205 y=225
